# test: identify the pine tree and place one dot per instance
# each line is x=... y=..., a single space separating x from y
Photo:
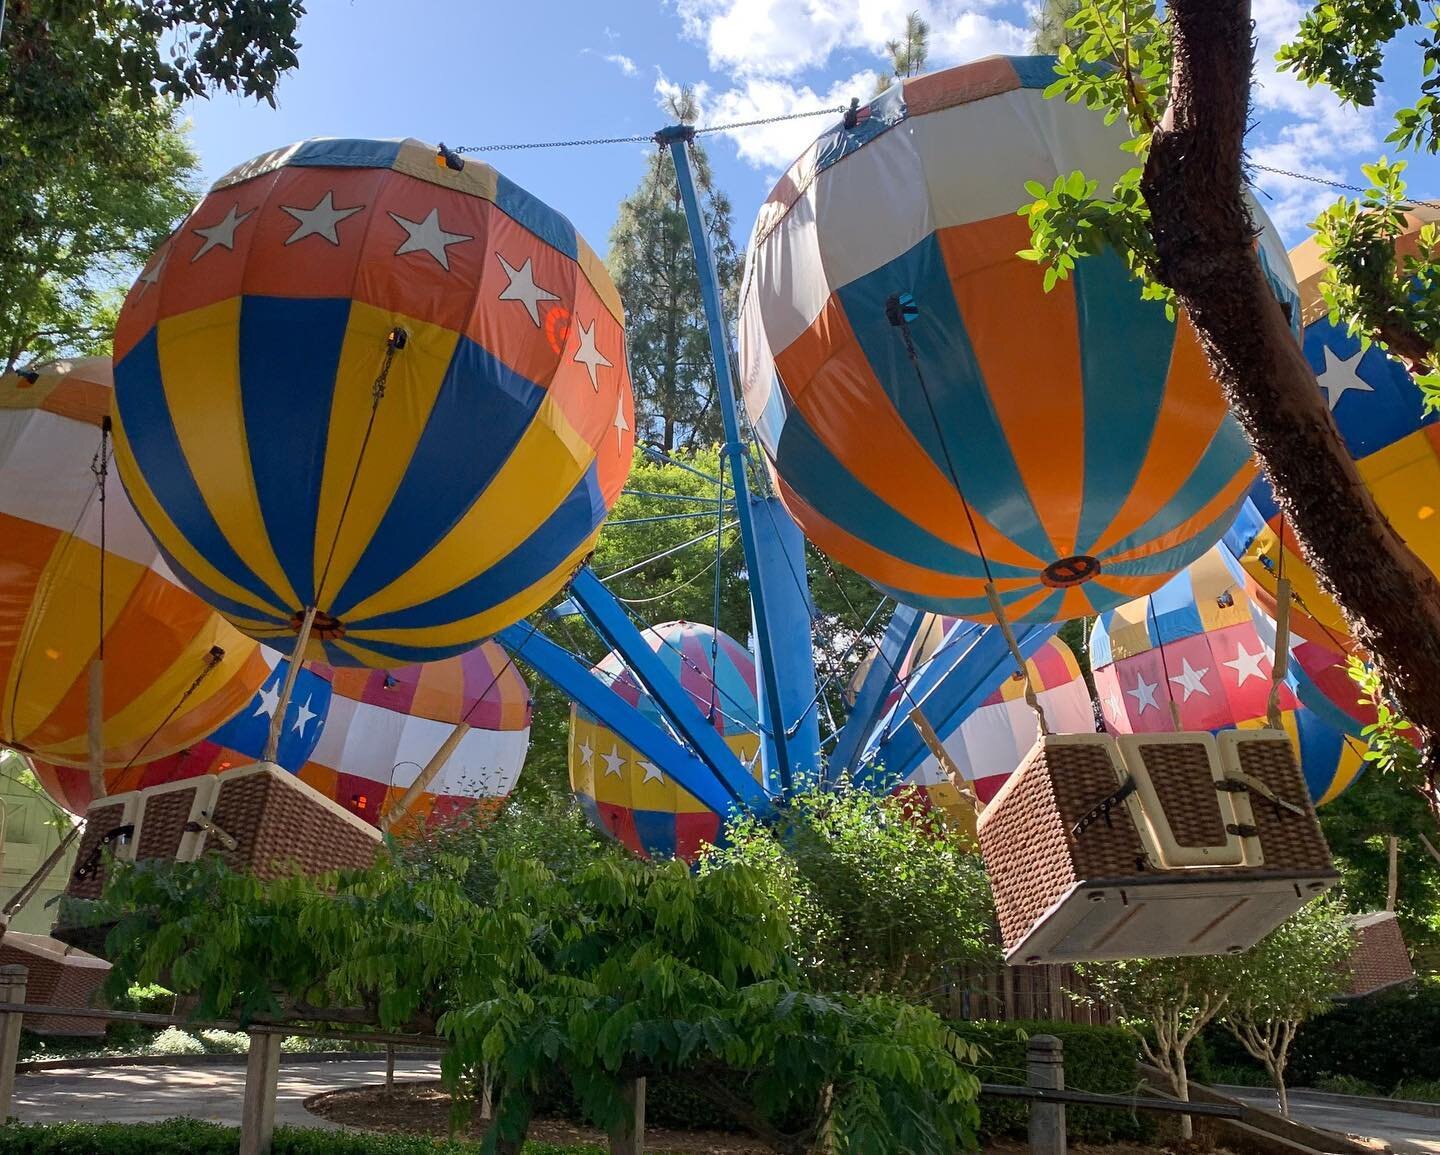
x=1048 y=25
x=654 y=269
x=909 y=54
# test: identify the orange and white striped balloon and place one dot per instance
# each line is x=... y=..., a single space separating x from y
x=174 y=669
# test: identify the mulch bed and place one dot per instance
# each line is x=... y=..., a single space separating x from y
x=423 y=1108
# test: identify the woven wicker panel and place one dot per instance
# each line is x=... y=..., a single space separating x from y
x=51 y=981
x=1029 y=852
x=1379 y=959
x=1083 y=775
x=99 y=821
x=162 y=823
x=1182 y=778
x=1289 y=841
x=278 y=828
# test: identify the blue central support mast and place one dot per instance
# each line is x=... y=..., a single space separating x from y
x=774 y=552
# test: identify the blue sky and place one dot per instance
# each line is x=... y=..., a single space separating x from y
x=477 y=71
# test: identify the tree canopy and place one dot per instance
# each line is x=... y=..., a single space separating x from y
x=653 y=266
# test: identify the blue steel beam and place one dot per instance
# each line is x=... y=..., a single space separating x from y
x=774 y=654
x=575 y=680
x=781 y=550
x=874 y=691
x=609 y=619
x=967 y=668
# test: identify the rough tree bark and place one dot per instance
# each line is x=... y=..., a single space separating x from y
x=1204 y=237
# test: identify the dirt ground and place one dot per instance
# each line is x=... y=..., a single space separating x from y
x=424 y=1109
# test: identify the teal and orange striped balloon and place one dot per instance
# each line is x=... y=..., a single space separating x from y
x=929 y=410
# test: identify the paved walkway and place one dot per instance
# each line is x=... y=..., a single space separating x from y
x=1404 y=1132
x=134 y=1094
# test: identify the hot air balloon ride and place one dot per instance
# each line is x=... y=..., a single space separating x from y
x=625 y=794
x=1198 y=655
x=373 y=400
x=933 y=417
x=75 y=555
x=1394 y=439
x=364 y=739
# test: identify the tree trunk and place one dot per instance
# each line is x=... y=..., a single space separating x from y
x=1182 y=1089
x=1204 y=239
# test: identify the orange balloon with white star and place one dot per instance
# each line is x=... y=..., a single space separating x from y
x=385 y=389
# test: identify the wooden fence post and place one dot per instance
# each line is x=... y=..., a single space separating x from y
x=12 y=990
x=1045 y=1066
x=629 y=1137
x=262 y=1078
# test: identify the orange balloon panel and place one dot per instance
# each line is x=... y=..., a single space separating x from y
x=174 y=670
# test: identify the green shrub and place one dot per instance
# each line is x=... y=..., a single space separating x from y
x=1098 y=1059
x=1344 y=1085
x=1241 y=1076
x=150 y=999
x=190 y=1137
x=1387 y=1039
x=1423 y=1090
x=174 y=1041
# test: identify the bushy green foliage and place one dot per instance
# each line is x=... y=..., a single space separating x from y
x=191 y=1137
x=877 y=897
x=531 y=958
x=1385 y=1039
x=1098 y=1059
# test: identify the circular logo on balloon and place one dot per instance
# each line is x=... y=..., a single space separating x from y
x=1070 y=571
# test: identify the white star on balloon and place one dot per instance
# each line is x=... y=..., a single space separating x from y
x=319 y=220
x=652 y=772
x=589 y=356
x=613 y=761
x=269 y=701
x=587 y=754
x=303 y=714
x=522 y=288
x=157 y=266
x=428 y=237
x=1191 y=679
x=1246 y=665
x=1113 y=701
x=221 y=235
x=621 y=425
x=1144 y=694
x=1341 y=376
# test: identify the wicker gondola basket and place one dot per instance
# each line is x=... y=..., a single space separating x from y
x=60 y=976
x=258 y=818
x=1153 y=845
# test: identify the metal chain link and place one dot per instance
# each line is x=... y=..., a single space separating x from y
x=646 y=138
x=1336 y=184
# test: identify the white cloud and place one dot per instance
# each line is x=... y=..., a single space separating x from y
x=765 y=46
x=775 y=38
x=1317 y=148
x=623 y=62
x=772 y=146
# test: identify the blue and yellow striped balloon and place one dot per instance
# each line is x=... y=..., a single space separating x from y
x=364 y=382
x=929 y=409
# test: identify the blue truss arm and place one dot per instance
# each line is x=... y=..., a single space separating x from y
x=880 y=679
x=971 y=664
x=575 y=680
x=775 y=645
x=616 y=630
x=781 y=550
